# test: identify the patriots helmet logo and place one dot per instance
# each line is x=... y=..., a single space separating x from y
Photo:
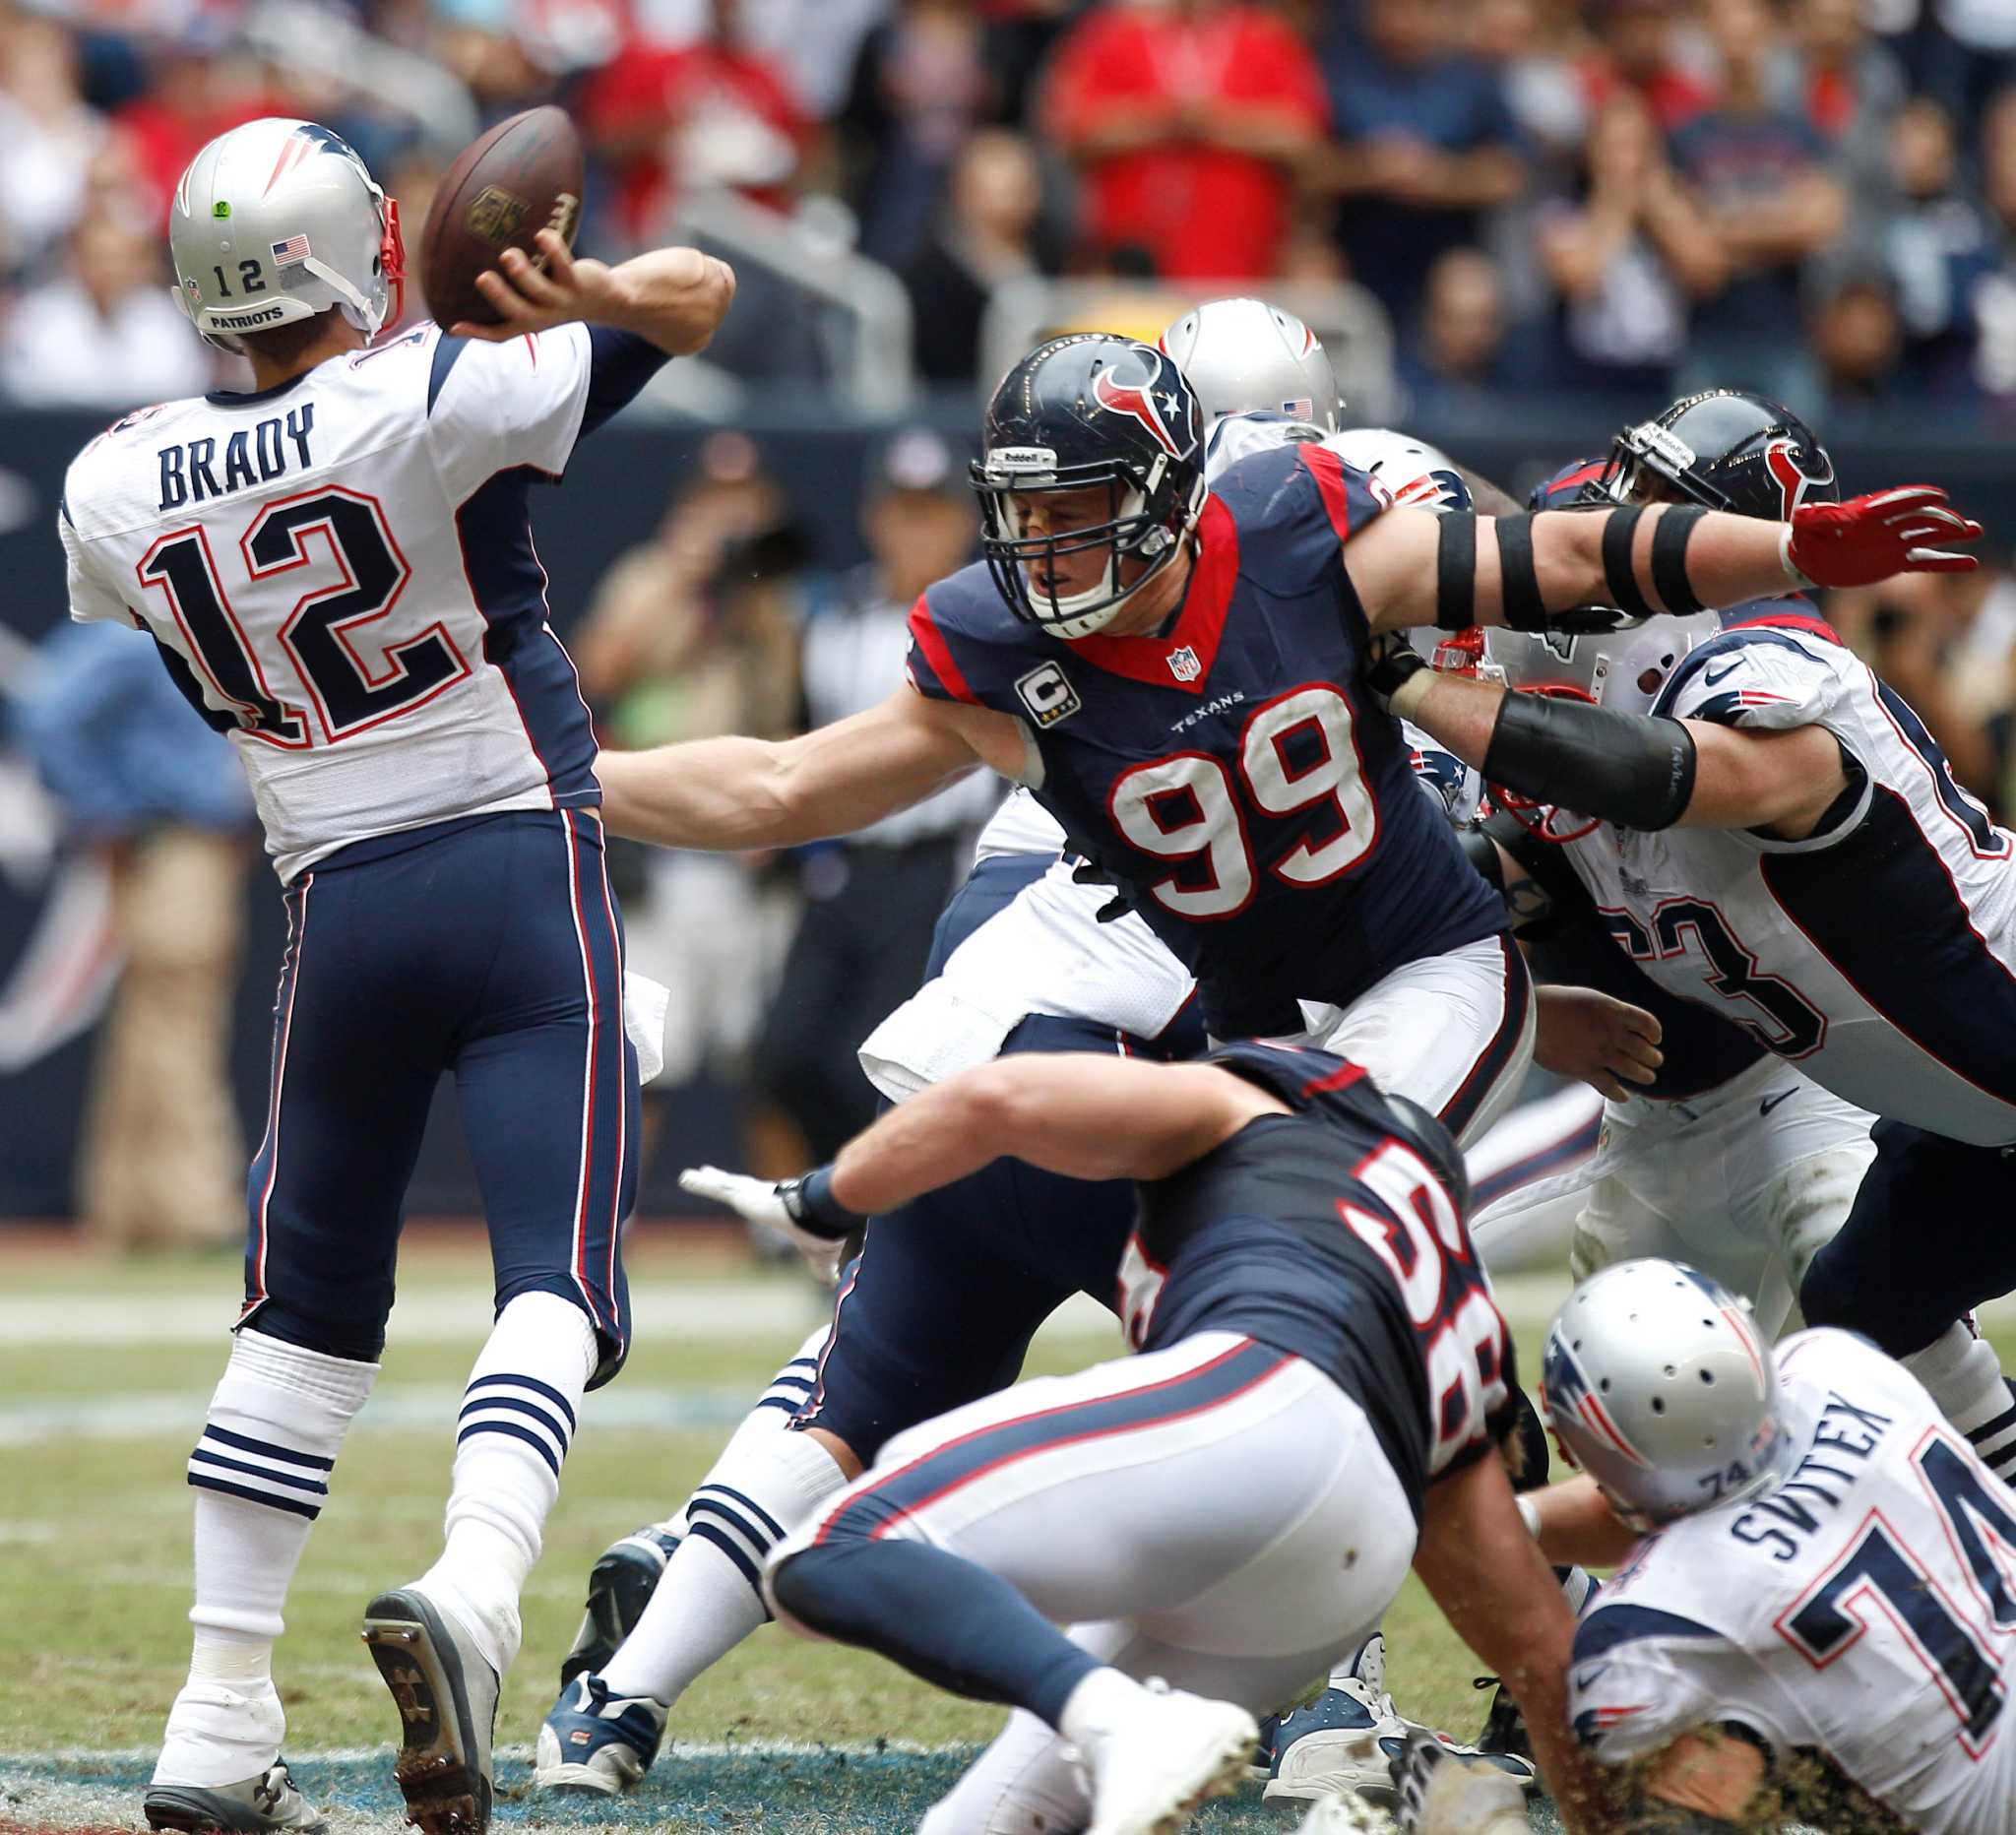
x=1151 y=402
x=1793 y=483
x=1570 y=1392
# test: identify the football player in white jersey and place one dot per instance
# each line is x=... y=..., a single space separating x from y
x=1795 y=852
x=338 y=571
x=1814 y=1618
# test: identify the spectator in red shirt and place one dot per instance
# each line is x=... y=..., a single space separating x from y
x=1638 y=51
x=694 y=116
x=1189 y=121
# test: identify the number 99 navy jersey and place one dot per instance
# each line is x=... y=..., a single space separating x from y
x=1228 y=770
x=1329 y=1232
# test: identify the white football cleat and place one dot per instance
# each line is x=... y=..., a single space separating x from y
x=1344 y=1743
x=1163 y=1757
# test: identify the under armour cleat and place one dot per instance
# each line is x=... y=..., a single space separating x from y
x=256 y=1807
x=446 y=1698
x=1342 y=1744
x=594 y=1741
x=620 y=1587
x=1169 y=1754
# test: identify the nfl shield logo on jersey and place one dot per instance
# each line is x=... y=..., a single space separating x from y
x=1183 y=664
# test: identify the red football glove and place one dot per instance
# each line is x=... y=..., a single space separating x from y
x=1869 y=538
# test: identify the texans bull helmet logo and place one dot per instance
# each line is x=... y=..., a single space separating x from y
x=1151 y=401
x=1782 y=462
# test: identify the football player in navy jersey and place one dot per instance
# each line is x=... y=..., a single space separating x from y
x=948 y=1290
x=1321 y=1368
x=1173 y=672
x=1812 y=871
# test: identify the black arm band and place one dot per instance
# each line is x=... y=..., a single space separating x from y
x=1518 y=580
x=814 y=1208
x=1617 y=567
x=1637 y=770
x=1670 y=559
x=1456 y=572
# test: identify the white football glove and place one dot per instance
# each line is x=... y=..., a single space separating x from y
x=1442 y=1793
x=769 y=1202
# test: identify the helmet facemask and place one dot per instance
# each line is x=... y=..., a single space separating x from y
x=1144 y=519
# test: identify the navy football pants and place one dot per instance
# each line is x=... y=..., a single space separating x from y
x=490 y=948
x=939 y=1307
x=1928 y=1240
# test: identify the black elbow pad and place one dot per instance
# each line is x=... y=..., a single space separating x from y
x=1637 y=770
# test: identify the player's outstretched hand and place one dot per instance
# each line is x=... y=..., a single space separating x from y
x=1604 y=1043
x=1908 y=530
x=672 y=297
x=529 y=297
x=769 y=1202
x=1442 y=1793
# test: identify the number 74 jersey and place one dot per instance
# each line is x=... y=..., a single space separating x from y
x=341 y=576
x=1859 y=1622
x=1878 y=954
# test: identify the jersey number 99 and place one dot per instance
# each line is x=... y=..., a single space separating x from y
x=1297 y=750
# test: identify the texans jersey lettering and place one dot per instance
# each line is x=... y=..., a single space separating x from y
x=1330 y=1234
x=1778 y=935
x=1863 y=1610
x=378 y=665
x=1227 y=771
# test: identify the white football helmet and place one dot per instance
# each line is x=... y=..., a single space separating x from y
x=1244 y=356
x=277 y=221
x=1658 y=1385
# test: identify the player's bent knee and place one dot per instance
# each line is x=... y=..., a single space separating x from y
x=795 y=1580
x=611 y=1335
x=325 y=1332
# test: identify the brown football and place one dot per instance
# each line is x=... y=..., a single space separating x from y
x=523 y=176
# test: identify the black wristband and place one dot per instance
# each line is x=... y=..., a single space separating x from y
x=813 y=1207
x=1670 y=559
x=1456 y=572
x=1518 y=578
x=1637 y=770
x=1618 y=531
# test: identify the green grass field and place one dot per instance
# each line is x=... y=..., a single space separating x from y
x=104 y=1373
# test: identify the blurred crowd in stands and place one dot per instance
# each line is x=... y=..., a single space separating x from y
x=1814 y=196
x=1611 y=200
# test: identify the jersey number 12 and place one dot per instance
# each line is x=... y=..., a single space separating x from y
x=317 y=637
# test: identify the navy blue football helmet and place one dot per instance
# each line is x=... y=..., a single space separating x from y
x=1725 y=449
x=1090 y=410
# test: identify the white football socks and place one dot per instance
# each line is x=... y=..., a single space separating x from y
x=261 y=1471
x=1965 y=1377
x=518 y=1417
x=710 y=1597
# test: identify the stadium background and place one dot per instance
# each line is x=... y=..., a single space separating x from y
x=1517 y=223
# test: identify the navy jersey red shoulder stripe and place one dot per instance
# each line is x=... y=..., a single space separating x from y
x=1327 y=469
x=947 y=682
